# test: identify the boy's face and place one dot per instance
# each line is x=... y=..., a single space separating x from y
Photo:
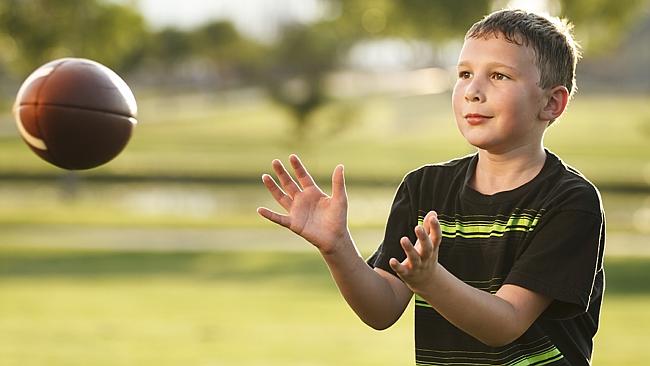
x=497 y=99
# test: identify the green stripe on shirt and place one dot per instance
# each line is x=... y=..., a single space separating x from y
x=487 y=227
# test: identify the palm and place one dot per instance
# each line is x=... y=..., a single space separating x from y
x=317 y=217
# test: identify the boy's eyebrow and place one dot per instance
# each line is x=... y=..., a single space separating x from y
x=491 y=65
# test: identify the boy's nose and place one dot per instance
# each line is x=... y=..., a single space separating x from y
x=473 y=92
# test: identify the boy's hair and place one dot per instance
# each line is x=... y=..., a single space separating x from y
x=556 y=52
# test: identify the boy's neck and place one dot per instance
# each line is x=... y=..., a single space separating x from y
x=506 y=171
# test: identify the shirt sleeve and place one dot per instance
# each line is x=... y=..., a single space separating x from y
x=561 y=261
x=401 y=222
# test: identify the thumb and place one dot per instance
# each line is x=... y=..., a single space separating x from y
x=338 y=184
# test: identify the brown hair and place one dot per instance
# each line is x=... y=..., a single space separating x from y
x=556 y=52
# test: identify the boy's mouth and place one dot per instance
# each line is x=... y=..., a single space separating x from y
x=476 y=118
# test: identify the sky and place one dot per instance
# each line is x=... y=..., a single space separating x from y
x=256 y=18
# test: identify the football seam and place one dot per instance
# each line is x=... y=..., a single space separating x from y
x=69 y=106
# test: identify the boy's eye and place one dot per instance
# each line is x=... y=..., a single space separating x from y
x=464 y=75
x=499 y=76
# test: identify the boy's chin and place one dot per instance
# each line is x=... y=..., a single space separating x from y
x=482 y=147
x=488 y=146
x=479 y=138
x=486 y=141
x=479 y=143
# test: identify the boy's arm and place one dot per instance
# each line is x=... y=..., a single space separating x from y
x=379 y=299
x=495 y=320
x=376 y=296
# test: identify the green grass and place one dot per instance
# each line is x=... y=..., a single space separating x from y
x=61 y=307
x=90 y=308
x=625 y=321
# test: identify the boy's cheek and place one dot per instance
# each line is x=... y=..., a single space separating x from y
x=456 y=97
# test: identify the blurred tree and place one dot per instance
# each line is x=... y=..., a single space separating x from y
x=166 y=49
x=600 y=24
x=237 y=59
x=41 y=30
x=297 y=65
x=432 y=20
x=212 y=56
x=170 y=46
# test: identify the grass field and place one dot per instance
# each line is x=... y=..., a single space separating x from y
x=226 y=308
x=161 y=273
x=62 y=307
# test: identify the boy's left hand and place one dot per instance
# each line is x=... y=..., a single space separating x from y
x=419 y=268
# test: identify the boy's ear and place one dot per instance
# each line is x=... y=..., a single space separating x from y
x=556 y=102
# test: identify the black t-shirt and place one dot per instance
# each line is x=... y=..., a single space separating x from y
x=547 y=236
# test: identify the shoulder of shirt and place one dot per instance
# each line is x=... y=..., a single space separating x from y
x=581 y=189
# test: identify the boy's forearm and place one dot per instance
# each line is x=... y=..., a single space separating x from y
x=487 y=317
x=369 y=294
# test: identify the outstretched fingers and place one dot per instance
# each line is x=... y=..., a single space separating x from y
x=412 y=254
x=289 y=185
x=433 y=229
x=275 y=217
x=425 y=249
x=302 y=174
x=413 y=259
x=424 y=243
x=278 y=194
x=398 y=267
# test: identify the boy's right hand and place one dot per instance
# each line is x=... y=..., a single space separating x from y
x=312 y=214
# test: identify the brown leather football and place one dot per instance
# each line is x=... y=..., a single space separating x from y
x=75 y=113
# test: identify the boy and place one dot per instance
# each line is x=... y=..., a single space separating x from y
x=506 y=268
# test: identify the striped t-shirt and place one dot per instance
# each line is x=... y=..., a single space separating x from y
x=547 y=236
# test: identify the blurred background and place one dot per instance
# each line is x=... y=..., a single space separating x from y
x=159 y=258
